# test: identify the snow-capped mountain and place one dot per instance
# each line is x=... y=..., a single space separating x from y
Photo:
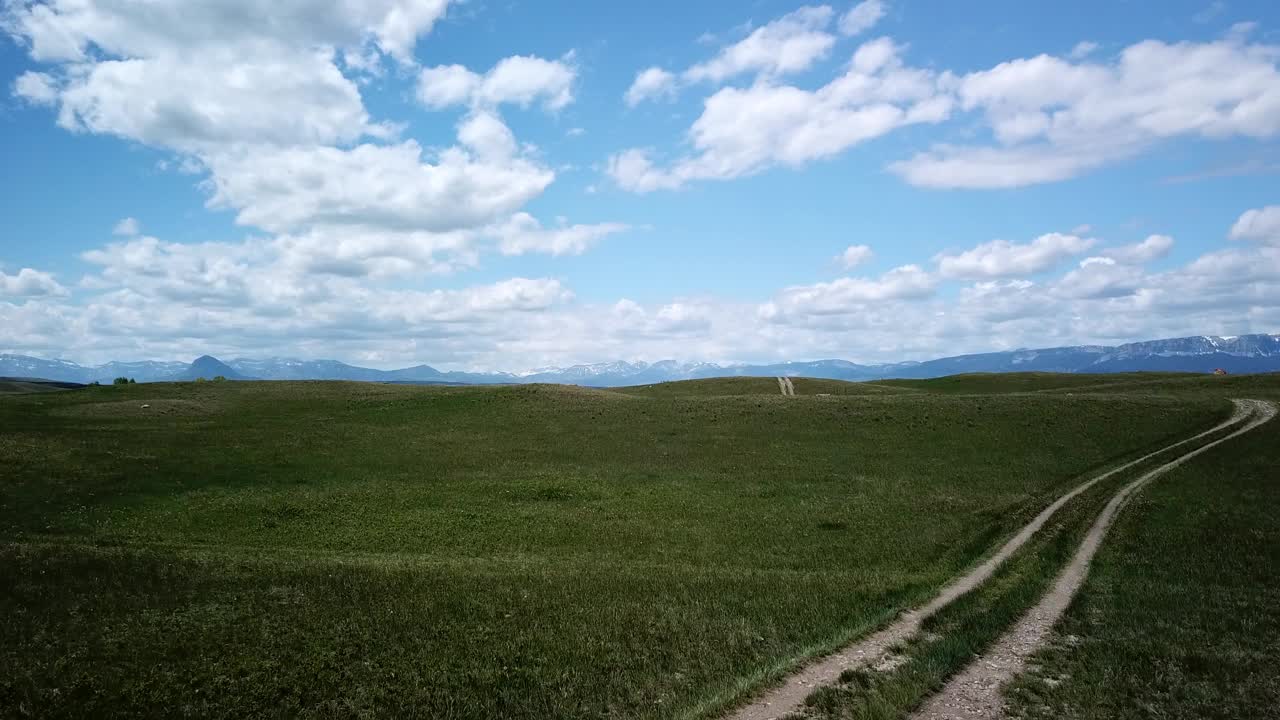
x=1236 y=354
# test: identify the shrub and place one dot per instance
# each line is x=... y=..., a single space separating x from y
x=120 y=381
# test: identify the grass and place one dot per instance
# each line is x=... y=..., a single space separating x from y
x=13 y=386
x=999 y=383
x=952 y=638
x=1180 y=616
x=722 y=387
x=337 y=549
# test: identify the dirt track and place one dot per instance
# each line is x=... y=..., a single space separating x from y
x=976 y=691
x=790 y=695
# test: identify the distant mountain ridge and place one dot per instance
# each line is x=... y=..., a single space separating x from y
x=1201 y=353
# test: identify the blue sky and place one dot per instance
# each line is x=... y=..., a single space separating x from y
x=505 y=185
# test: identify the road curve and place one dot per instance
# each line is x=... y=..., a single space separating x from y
x=975 y=692
x=790 y=695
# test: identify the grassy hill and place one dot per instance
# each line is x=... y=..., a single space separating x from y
x=345 y=549
x=729 y=386
x=11 y=386
x=998 y=383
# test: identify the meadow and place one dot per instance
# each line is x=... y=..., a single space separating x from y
x=1180 y=617
x=359 y=550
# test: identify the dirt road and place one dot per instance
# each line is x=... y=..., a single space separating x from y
x=975 y=691
x=789 y=696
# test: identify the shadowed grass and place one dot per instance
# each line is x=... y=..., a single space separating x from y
x=993 y=383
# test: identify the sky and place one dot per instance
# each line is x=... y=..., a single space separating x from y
x=509 y=184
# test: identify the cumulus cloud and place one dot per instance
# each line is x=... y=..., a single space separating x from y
x=1050 y=118
x=1153 y=248
x=787 y=45
x=198 y=102
x=1099 y=277
x=256 y=99
x=847 y=295
x=1054 y=119
x=1083 y=49
x=1260 y=225
x=393 y=186
x=1001 y=258
x=791 y=43
x=518 y=80
x=30 y=283
x=652 y=83
x=524 y=234
x=744 y=130
x=128 y=227
x=70 y=30
x=862 y=17
x=258 y=297
x=36 y=88
x=853 y=256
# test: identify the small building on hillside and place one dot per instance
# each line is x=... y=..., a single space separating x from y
x=1219 y=371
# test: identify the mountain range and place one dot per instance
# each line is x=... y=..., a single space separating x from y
x=1203 y=353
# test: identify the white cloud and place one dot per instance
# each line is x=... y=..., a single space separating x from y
x=1099 y=277
x=1054 y=119
x=308 y=295
x=446 y=85
x=1001 y=258
x=128 y=227
x=487 y=136
x=69 y=30
x=862 y=17
x=36 y=88
x=519 y=80
x=744 y=130
x=649 y=84
x=30 y=283
x=1153 y=248
x=1083 y=49
x=847 y=295
x=994 y=168
x=522 y=234
x=196 y=103
x=791 y=43
x=1261 y=225
x=269 y=114
x=853 y=256
x=388 y=186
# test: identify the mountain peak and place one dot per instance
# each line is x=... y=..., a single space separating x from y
x=208 y=368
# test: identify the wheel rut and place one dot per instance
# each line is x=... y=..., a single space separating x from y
x=789 y=696
x=975 y=692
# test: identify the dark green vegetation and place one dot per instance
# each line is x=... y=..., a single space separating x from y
x=1000 y=383
x=332 y=549
x=10 y=386
x=951 y=639
x=1180 y=616
x=722 y=387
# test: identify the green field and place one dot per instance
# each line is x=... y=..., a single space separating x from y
x=342 y=549
x=1180 y=617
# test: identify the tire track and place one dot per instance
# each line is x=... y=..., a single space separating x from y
x=976 y=691
x=790 y=695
